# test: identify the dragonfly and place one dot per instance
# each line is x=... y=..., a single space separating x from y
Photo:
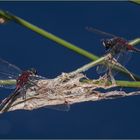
x=118 y=47
x=24 y=80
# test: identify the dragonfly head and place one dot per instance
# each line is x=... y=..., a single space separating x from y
x=33 y=71
x=107 y=43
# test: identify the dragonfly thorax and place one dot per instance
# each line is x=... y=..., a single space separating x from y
x=25 y=77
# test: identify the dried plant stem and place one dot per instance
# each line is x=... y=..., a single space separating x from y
x=64 y=89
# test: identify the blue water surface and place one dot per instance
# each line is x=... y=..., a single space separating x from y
x=105 y=119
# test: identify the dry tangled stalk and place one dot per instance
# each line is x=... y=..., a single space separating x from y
x=64 y=89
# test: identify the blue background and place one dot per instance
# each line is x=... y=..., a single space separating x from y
x=118 y=118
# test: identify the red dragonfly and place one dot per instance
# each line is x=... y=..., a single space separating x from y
x=24 y=80
x=117 y=46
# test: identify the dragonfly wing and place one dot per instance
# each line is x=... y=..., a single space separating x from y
x=90 y=29
x=61 y=107
x=101 y=69
x=8 y=71
x=123 y=57
x=36 y=77
x=8 y=86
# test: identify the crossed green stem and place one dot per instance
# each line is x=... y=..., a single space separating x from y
x=11 y=17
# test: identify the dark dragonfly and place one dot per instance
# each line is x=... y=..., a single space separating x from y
x=118 y=47
x=24 y=80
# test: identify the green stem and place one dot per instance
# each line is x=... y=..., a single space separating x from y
x=132 y=84
x=135 y=1
x=48 y=35
x=119 y=83
x=7 y=82
x=135 y=42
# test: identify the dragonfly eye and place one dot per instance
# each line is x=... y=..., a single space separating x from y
x=108 y=43
x=103 y=42
x=34 y=71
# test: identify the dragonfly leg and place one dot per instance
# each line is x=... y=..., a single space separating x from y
x=23 y=92
x=29 y=85
x=32 y=83
x=111 y=76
